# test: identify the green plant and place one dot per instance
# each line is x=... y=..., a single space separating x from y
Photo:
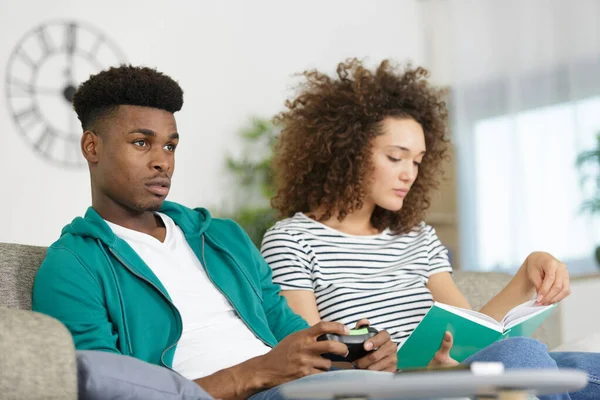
x=254 y=178
x=592 y=205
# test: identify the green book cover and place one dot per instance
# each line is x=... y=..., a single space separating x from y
x=472 y=331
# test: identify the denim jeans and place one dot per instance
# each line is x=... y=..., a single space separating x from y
x=522 y=352
x=513 y=353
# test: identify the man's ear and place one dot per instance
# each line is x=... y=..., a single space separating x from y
x=90 y=145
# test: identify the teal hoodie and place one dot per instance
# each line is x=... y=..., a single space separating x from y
x=110 y=300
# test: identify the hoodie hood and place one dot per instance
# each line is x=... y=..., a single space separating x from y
x=193 y=223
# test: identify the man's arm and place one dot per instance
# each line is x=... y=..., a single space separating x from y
x=296 y=356
x=238 y=382
x=66 y=290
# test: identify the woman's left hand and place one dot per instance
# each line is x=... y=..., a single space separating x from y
x=549 y=277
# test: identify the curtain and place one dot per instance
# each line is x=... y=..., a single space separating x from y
x=525 y=83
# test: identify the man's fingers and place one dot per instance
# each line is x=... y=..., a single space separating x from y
x=328 y=327
x=330 y=346
x=306 y=371
x=388 y=364
x=321 y=364
x=377 y=341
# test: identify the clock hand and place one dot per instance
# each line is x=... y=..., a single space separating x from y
x=71 y=43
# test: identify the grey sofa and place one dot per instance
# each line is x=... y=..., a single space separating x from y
x=37 y=357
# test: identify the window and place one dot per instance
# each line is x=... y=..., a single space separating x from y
x=528 y=191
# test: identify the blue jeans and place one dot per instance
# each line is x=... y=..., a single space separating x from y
x=514 y=353
x=523 y=352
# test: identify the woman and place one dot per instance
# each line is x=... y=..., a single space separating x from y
x=355 y=164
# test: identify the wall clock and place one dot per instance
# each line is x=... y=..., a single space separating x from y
x=42 y=74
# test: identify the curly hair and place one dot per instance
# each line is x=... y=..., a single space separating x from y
x=125 y=85
x=323 y=153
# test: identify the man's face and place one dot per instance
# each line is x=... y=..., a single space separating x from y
x=136 y=157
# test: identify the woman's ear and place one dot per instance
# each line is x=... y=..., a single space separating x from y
x=90 y=143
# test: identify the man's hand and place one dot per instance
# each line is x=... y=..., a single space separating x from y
x=299 y=355
x=442 y=356
x=296 y=356
x=384 y=358
x=549 y=277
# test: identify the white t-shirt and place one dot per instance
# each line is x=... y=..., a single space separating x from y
x=381 y=277
x=214 y=337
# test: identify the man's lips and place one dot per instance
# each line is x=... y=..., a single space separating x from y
x=159 y=186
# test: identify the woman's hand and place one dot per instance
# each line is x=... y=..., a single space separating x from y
x=548 y=276
x=442 y=356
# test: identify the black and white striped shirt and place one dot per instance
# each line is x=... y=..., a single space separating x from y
x=382 y=277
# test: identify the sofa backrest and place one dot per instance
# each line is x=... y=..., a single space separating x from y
x=18 y=266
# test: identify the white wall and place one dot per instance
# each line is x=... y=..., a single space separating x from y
x=578 y=311
x=473 y=41
x=233 y=59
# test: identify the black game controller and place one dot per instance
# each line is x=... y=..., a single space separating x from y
x=354 y=340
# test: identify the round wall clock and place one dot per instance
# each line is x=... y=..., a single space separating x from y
x=42 y=74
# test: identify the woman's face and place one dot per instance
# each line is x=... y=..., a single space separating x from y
x=396 y=154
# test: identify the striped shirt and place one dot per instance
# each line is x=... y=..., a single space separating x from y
x=381 y=277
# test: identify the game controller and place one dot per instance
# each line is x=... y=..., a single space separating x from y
x=354 y=340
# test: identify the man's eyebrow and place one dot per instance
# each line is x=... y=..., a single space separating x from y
x=150 y=132
x=147 y=132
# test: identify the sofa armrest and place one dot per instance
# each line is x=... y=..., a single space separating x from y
x=37 y=357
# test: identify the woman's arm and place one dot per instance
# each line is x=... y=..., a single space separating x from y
x=540 y=272
x=519 y=290
x=444 y=290
x=303 y=303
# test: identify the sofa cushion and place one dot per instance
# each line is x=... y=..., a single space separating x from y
x=18 y=266
x=105 y=376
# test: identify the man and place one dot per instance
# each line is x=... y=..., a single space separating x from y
x=171 y=286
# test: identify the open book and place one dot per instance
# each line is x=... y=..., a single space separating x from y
x=472 y=331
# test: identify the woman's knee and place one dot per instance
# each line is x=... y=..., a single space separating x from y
x=518 y=352
x=522 y=345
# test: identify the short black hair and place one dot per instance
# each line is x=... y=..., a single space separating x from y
x=125 y=85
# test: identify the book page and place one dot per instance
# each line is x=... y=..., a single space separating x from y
x=475 y=316
x=523 y=312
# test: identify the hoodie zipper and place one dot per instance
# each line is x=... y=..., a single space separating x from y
x=227 y=297
x=162 y=360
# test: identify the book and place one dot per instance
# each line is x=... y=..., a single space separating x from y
x=471 y=330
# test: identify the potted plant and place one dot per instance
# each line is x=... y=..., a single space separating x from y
x=592 y=205
x=252 y=173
